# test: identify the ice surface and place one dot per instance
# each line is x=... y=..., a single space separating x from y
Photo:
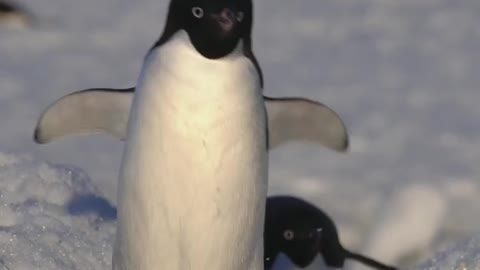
x=402 y=73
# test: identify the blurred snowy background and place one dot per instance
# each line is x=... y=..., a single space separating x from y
x=401 y=73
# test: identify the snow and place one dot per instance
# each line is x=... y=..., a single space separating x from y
x=416 y=206
x=51 y=217
x=464 y=255
x=403 y=75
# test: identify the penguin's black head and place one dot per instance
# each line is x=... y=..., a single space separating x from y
x=215 y=27
x=300 y=231
x=299 y=242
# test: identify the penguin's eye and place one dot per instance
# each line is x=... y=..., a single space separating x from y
x=197 y=12
x=288 y=235
x=240 y=16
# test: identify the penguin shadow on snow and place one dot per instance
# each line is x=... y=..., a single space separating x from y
x=92 y=204
x=293 y=227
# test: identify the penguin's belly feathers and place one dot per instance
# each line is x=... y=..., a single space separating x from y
x=194 y=173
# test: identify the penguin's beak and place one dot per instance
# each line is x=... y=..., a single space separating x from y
x=227 y=19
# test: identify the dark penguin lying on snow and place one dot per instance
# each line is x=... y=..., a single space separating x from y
x=301 y=231
x=14 y=16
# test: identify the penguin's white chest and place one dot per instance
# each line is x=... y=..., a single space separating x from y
x=193 y=180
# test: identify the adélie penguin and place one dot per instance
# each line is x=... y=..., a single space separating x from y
x=106 y=110
x=301 y=231
x=193 y=180
x=13 y=16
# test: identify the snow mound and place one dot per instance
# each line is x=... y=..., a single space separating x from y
x=52 y=217
x=462 y=256
x=407 y=224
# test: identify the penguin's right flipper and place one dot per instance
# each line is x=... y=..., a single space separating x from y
x=85 y=112
x=299 y=119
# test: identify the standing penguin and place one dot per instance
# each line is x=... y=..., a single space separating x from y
x=301 y=231
x=193 y=179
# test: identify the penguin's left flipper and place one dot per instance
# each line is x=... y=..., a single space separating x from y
x=106 y=111
x=86 y=112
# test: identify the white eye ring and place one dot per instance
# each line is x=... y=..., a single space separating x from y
x=288 y=235
x=240 y=16
x=197 y=12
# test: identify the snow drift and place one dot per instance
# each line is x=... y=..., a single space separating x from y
x=52 y=217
